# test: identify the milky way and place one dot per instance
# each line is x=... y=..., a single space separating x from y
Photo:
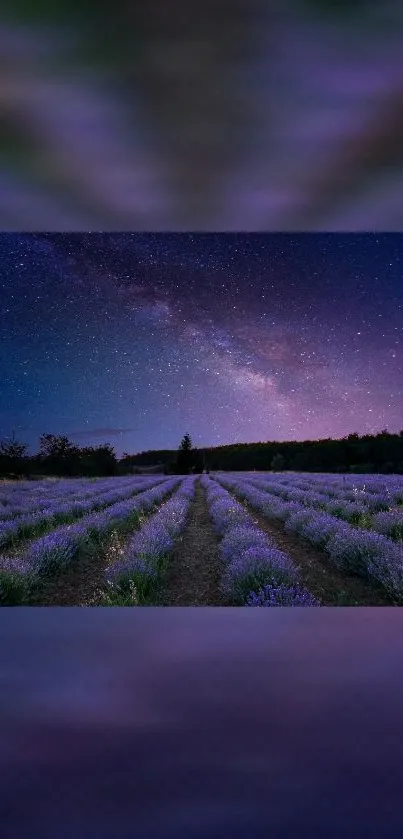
x=135 y=338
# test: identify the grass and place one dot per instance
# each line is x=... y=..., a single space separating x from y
x=14 y=589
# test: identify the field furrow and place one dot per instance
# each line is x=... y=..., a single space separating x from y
x=256 y=572
x=195 y=568
x=328 y=584
x=74 y=547
x=352 y=550
x=226 y=539
x=138 y=573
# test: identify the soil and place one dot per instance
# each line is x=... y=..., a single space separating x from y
x=329 y=585
x=79 y=585
x=83 y=583
x=193 y=576
x=195 y=567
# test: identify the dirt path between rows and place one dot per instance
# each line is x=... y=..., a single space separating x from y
x=83 y=583
x=79 y=585
x=195 y=567
x=329 y=585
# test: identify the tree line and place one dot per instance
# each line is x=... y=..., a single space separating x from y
x=58 y=456
x=380 y=453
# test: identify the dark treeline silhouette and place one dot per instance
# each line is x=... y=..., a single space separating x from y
x=56 y=456
x=185 y=461
x=380 y=453
x=136 y=463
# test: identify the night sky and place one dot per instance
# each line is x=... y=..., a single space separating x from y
x=134 y=339
x=183 y=724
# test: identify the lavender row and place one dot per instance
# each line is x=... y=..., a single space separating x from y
x=389 y=522
x=45 y=491
x=63 y=511
x=24 y=492
x=78 y=492
x=143 y=561
x=353 y=509
x=361 y=552
x=256 y=572
x=61 y=546
x=372 y=481
x=39 y=503
x=379 y=495
x=355 y=551
x=355 y=506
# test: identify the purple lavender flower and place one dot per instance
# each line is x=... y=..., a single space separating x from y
x=8 y=532
x=227 y=511
x=252 y=556
x=390 y=524
x=347 y=510
x=13 y=565
x=281 y=595
x=136 y=569
x=319 y=529
x=255 y=567
x=379 y=503
x=187 y=488
x=273 y=508
x=241 y=537
x=298 y=518
x=368 y=554
x=55 y=550
x=33 y=518
x=269 y=505
x=155 y=539
x=174 y=514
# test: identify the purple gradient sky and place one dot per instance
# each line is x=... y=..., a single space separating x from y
x=188 y=723
x=135 y=338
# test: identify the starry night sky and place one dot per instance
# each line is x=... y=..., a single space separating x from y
x=134 y=339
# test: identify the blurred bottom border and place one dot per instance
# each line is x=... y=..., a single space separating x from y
x=201 y=722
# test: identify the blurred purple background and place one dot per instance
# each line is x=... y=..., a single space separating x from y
x=181 y=114
x=212 y=722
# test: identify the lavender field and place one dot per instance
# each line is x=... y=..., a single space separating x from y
x=230 y=539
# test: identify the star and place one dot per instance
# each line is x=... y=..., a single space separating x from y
x=246 y=336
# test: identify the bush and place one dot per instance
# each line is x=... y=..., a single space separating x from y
x=13 y=589
x=254 y=568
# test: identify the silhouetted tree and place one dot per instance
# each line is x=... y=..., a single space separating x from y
x=53 y=445
x=99 y=460
x=381 y=452
x=11 y=447
x=197 y=462
x=184 y=458
x=13 y=456
x=57 y=455
x=278 y=462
